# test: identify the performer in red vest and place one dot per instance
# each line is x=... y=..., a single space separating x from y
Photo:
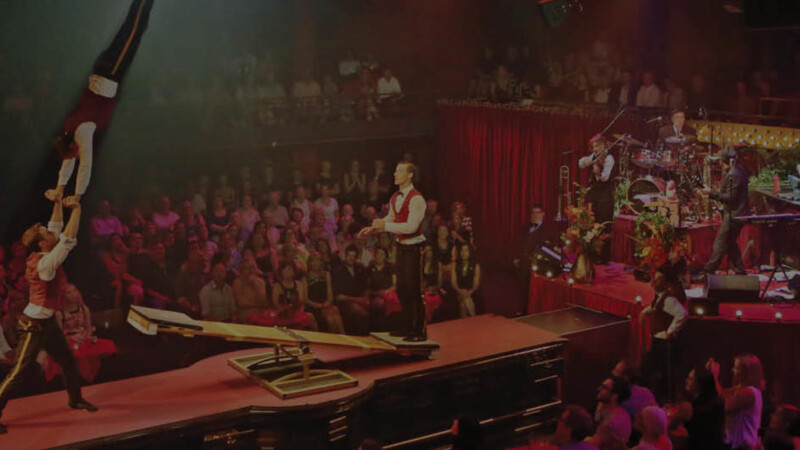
x=98 y=100
x=406 y=211
x=37 y=326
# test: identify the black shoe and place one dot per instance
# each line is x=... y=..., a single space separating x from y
x=416 y=337
x=399 y=333
x=84 y=405
x=3 y=429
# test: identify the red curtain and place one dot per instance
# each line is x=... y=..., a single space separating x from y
x=500 y=161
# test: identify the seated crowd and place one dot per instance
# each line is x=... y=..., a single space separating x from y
x=271 y=255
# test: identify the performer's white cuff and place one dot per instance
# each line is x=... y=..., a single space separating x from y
x=102 y=86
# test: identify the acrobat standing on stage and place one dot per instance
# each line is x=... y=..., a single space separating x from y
x=37 y=327
x=406 y=211
x=97 y=102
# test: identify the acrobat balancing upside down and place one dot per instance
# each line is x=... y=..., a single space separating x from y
x=48 y=247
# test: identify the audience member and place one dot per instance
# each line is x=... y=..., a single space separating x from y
x=354 y=186
x=640 y=397
x=574 y=425
x=465 y=278
x=272 y=233
x=613 y=422
x=280 y=215
x=228 y=253
x=783 y=428
x=330 y=208
x=219 y=219
x=217 y=301
x=743 y=400
x=75 y=321
x=624 y=94
x=289 y=297
x=249 y=215
x=265 y=255
x=389 y=87
x=250 y=294
x=654 y=429
x=301 y=202
x=350 y=288
x=190 y=280
x=319 y=299
x=673 y=97
x=225 y=192
x=703 y=415
x=157 y=278
x=165 y=217
x=444 y=248
x=327 y=178
x=649 y=95
x=349 y=65
x=115 y=259
x=104 y=224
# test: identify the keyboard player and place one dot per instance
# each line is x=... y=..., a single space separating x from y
x=733 y=196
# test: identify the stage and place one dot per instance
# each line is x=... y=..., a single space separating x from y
x=615 y=291
x=495 y=368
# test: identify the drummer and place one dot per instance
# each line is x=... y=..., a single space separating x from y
x=676 y=134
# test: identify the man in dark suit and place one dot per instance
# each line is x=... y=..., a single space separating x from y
x=734 y=200
x=623 y=94
x=677 y=127
x=535 y=232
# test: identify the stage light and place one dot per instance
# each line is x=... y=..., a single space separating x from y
x=571 y=281
x=700 y=311
x=549 y=274
x=738 y=314
x=535 y=268
x=639 y=299
x=778 y=316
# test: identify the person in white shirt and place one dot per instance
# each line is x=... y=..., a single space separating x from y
x=389 y=87
x=300 y=201
x=216 y=297
x=649 y=95
x=601 y=190
x=668 y=316
x=744 y=400
x=98 y=101
x=406 y=211
x=37 y=327
x=350 y=65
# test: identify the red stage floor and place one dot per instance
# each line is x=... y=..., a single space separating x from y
x=210 y=387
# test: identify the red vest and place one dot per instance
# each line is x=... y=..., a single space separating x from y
x=91 y=108
x=401 y=215
x=44 y=293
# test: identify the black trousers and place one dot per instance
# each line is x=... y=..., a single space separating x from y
x=726 y=244
x=117 y=58
x=601 y=197
x=35 y=335
x=409 y=288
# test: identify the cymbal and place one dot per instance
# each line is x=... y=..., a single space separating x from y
x=629 y=140
x=680 y=139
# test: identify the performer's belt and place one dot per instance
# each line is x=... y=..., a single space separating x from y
x=409 y=247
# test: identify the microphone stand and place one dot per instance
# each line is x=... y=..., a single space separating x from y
x=614 y=120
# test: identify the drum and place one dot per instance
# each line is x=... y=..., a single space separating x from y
x=644 y=158
x=642 y=191
x=668 y=159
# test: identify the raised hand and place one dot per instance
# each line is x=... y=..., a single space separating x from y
x=54 y=195
x=72 y=202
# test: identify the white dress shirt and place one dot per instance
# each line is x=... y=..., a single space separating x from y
x=586 y=161
x=84 y=135
x=416 y=212
x=674 y=308
x=217 y=302
x=388 y=87
x=648 y=96
x=48 y=266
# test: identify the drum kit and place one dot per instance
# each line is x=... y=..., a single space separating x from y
x=676 y=167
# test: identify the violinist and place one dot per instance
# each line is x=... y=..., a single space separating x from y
x=600 y=195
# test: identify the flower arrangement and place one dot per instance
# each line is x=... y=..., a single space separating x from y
x=583 y=235
x=656 y=241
